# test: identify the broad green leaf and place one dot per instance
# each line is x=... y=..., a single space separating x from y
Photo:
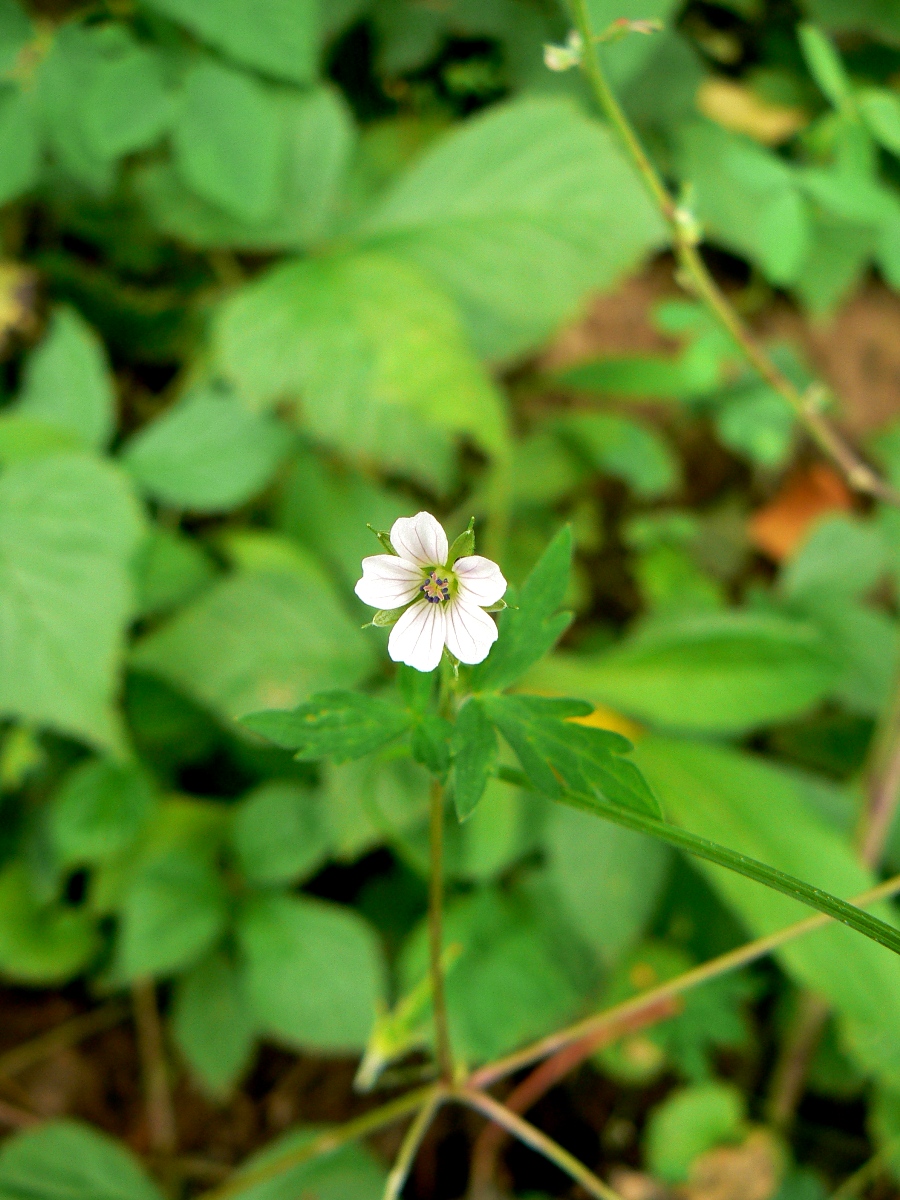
x=507 y=825
x=127 y=105
x=209 y=453
x=68 y=382
x=229 y=140
x=277 y=37
x=747 y=198
x=319 y=137
x=514 y=979
x=62 y=82
x=758 y=809
x=169 y=569
x=431 y=743
x=757 y=422
x=68 y=526
x=535 y=624
x=99 y=811
x=30 y=437
x=688 y=1123
x=825 y=65
x=608 y=878
x=336 y=725
x=20 y=143
x=559 y=755
x=520 y=213
x=841 y=557
x=212 y=1023
x=66 y=1160
x=474 y=756
x=327 y=507
x=314 y=971
x=880 y=109
x=173 y=911
x=349 y=1173
x=16 y=30
x=258 y=640
x=278 y=833
x=719 y=671
x=372 y=349
x=619 y=446
x=41 y=944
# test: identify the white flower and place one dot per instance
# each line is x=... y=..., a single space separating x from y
x=446 y=601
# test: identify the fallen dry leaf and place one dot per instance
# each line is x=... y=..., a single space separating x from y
x=736 y=107
x=750 y=1171
x=778 y=528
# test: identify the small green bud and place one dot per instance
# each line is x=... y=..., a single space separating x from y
x=384 y=537
x=464 y=544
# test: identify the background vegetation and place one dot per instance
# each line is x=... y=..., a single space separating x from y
x=274 y=270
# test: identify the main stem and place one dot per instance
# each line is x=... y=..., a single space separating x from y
x=436 y=932
x=697 y=278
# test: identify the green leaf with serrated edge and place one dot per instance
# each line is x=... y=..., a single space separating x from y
x=474 y=757
x=213 y=1024
x=66 y=1160
x=847 y=914
x=557 y=754
x=336 y=725
x=533 y=627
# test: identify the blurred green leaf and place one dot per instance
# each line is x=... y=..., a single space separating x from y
x=127 y=106
x=718 y=671
x=173 y=911
x=68 y=526
x=229 y=140
x=278 y=833
x=375 y=352
x=622 y=447
x=41 y=943
x=169 y=569
x=519 y=214
x=67 y=381
x=825 y=65
x=475 y=753
x=212 y=1023
x=20 y=143
x=277 y=37
x=758 y=809
x=314 y=971
x=349 y=1173
x=207 y=453
x=67 y=1160
x=99 y=811
x=688 y=1123
x=258 y=640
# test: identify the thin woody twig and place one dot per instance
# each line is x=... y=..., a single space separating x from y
x=418 y=1128
x=158 y=1098
x=61 y=1036
x=693 y=275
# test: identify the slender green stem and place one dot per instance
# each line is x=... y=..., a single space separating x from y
x=328 y=1142
x=696 y=278
x=622 y=1013
x=410 y=1147
x=530 y=1136
x=436 y=932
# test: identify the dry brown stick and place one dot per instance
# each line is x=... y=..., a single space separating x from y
x=161 y=1127
x=491 y=1139
x=61 y=1036
x=15 y=1117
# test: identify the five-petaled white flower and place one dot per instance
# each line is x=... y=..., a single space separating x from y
x=446 y=600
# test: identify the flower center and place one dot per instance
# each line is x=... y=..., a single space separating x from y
x=436 y=588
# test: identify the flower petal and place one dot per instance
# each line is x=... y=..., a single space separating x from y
x=470 y=631
x=418 y=637
x=388 y=581
x=420 y=539
x=480 y=581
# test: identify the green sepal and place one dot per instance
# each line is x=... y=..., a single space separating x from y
x=464 y=544
x=497 y=606
x=385 y=538
x=385 y=618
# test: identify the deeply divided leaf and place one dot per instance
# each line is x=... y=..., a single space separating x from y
x=337 y=725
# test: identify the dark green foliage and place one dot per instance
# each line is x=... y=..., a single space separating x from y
x=337 y=725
